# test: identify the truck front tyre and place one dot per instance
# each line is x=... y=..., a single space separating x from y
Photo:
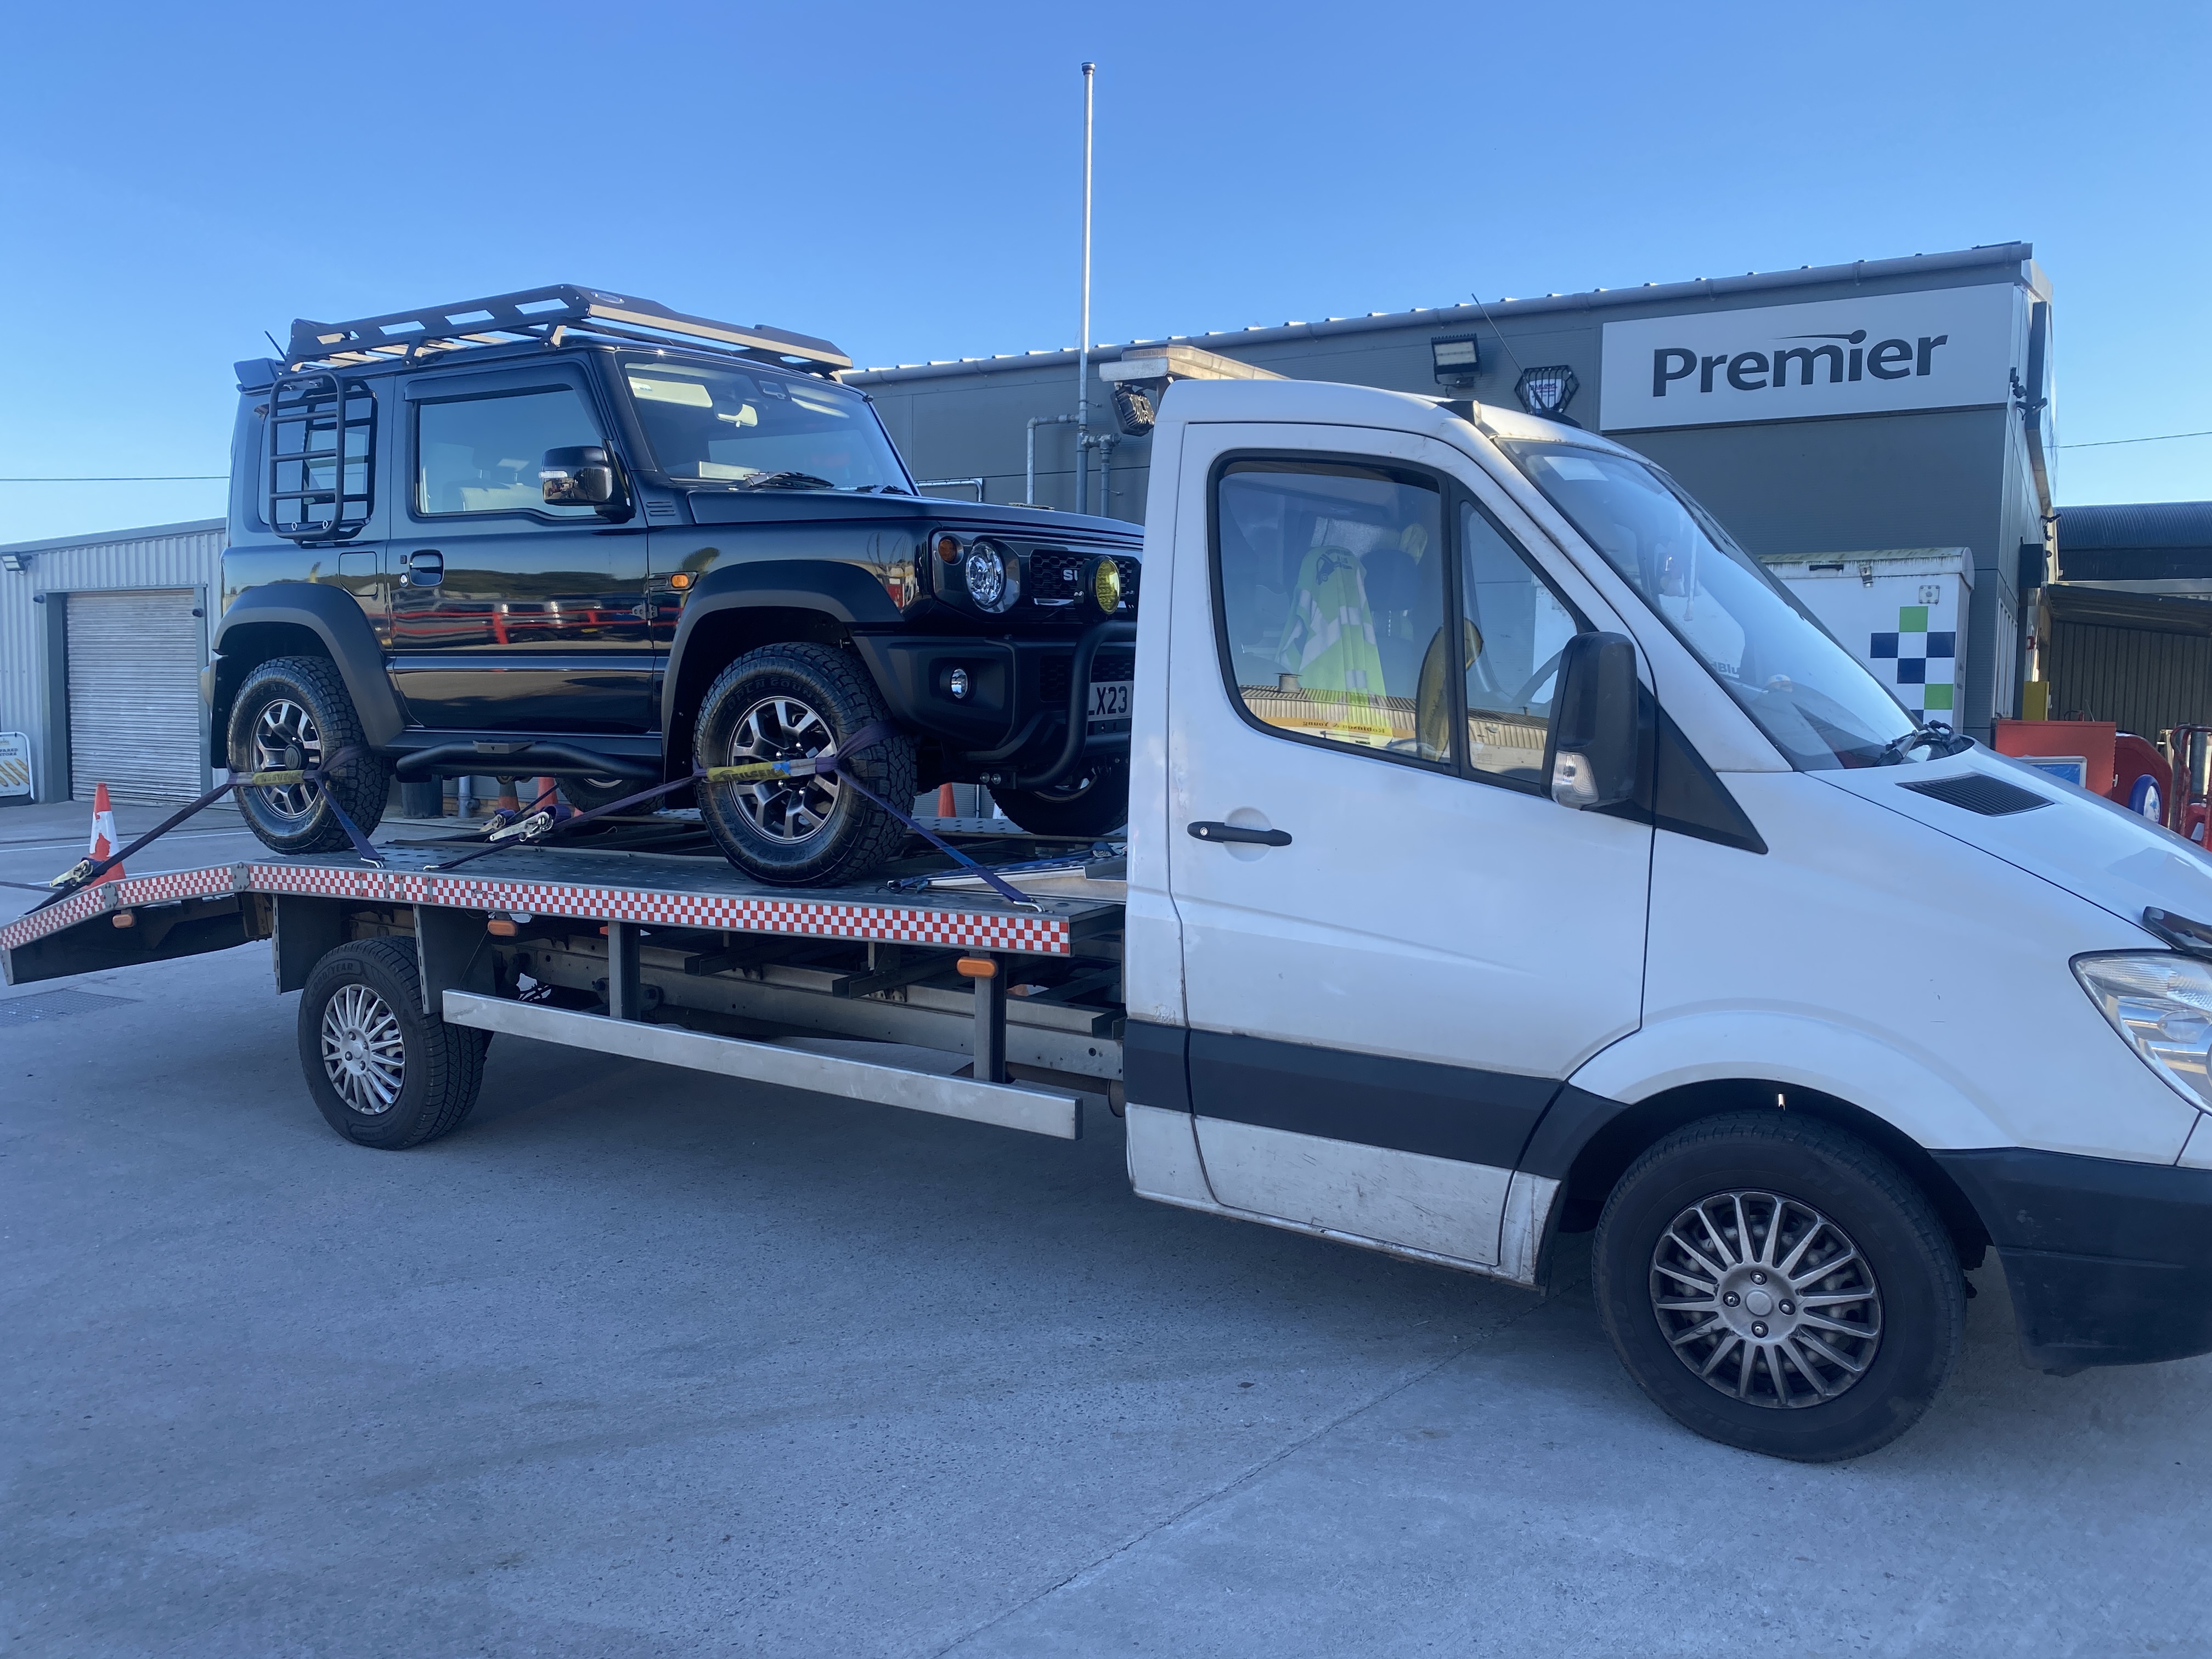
x=383 y=1072
x=792 y=702
x=1093 y=803
x=293 y=714
x=1777 y=1285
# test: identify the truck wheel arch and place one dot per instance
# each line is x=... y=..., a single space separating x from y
x=740 y=608
x=294 y=618
x=1647 y=1085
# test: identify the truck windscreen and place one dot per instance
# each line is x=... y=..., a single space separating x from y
x=723 y=426
x=1817 y=703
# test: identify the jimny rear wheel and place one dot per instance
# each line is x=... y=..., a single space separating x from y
x=293 y=716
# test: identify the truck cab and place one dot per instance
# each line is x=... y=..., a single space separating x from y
x=572 y=534
x=1510 y=854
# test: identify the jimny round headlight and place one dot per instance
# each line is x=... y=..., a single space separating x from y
x=993 y=575
x=2162 y=1002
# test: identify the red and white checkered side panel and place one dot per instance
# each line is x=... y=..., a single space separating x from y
x=1036 y=935
x=319 y=881
x=163 y=888
x=808 y=918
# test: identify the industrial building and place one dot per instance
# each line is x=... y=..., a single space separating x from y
x=102 y=638
x=2125 y=634
x=1839 y=415
x=1879 y=433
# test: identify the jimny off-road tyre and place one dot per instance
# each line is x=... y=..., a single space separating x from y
x=293 y=713
x=1778 y=1284
x=789 y=702
x=383 y=1072
x=1093 y=803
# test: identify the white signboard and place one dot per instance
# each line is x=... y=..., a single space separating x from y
x=1951 y=348
x=15 y=764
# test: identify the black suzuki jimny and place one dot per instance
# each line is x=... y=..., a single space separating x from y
x=570 y=534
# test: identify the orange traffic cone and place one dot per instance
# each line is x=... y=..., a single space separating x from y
x=944 y=802
x=104 y=838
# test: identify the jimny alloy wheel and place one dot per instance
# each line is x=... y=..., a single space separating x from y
x=364 y=1051
x=787 y=810
x=1766 y=1299
x=286 y=739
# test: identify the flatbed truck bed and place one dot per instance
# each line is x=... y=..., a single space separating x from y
x=957 y=1003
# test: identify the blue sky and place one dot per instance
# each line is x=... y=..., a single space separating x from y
x=903 y=180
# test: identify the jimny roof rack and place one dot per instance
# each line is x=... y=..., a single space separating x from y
x=550 y=314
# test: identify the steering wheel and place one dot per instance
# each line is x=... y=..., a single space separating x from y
x=1520 y=699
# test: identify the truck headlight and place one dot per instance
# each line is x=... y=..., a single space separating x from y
x=993 y=574
x=2162 y=1002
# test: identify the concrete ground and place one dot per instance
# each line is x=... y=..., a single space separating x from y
x=642 y=1363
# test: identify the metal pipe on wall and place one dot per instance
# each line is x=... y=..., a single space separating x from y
x=1029 y=486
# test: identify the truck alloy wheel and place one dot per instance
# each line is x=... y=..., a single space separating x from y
x=789 y=702
x=364 y=1055
x=384 y=1073
x=1775 y=1283
x=1766 y=1299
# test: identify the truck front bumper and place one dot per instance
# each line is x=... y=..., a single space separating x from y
x=2110 y=1262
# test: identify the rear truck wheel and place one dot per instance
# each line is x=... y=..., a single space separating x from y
x=1778 y=1284
x=789 y=702
x=293 y=713
x=1094 y=802
x=383 y=1072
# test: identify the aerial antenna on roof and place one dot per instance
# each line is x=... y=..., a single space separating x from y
x=1518 y=366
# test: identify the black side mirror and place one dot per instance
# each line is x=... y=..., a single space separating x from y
x=581 y=477
x=1592 y=758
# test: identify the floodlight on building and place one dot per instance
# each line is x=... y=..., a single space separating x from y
x=1456 y=357
x=18 y=561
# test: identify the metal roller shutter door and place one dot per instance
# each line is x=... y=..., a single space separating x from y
x=134 y=695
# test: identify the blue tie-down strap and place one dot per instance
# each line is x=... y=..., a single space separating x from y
x=85 y=872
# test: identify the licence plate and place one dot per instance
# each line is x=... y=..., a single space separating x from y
x=1109 y=700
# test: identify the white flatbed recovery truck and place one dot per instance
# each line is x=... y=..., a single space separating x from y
x=1507 y=853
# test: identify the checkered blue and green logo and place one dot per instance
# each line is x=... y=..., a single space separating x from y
x=1922 y=665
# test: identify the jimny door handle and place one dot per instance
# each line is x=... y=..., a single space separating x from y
x=1205 y=829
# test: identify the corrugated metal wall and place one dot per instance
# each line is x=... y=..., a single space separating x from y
x=2143 y=679
x=186 y=556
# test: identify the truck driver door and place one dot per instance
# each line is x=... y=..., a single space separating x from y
x=1402 y=944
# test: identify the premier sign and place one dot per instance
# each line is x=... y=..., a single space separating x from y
x=1939 y=348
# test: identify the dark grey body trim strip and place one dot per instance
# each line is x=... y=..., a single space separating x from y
x=1155 y=1065
x=1373 y=1100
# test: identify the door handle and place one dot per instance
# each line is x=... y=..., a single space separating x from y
x=426 y=567
x=1207 y=829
